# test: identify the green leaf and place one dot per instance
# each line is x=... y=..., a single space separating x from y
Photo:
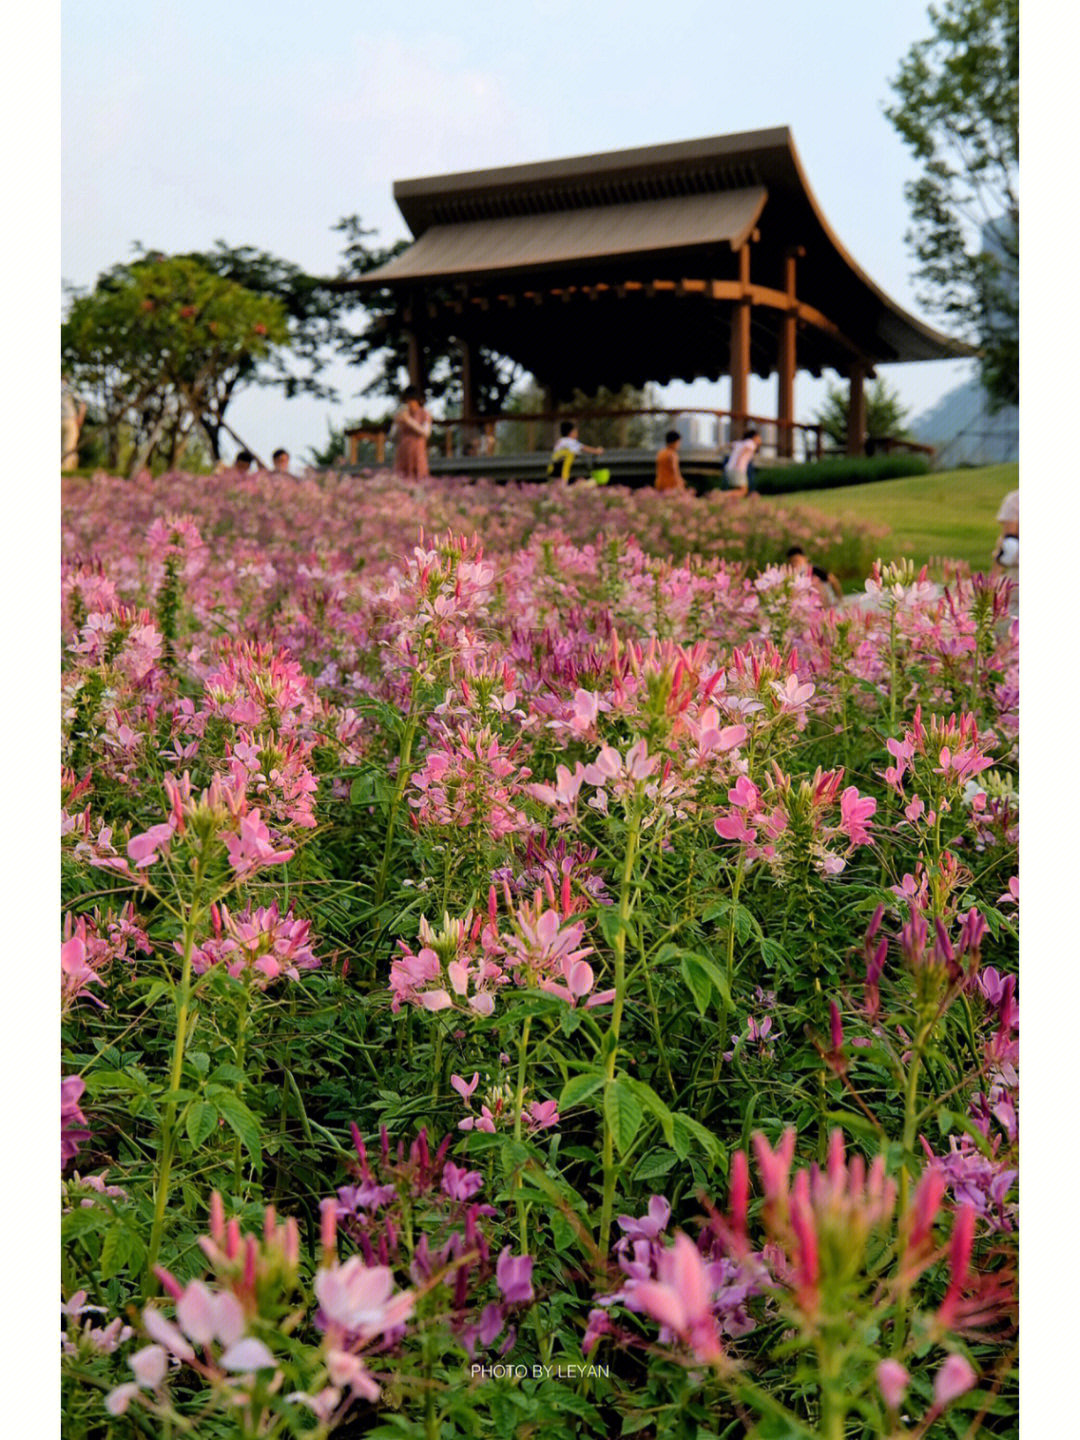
x=241 y=1121
x=199 y=1061
x=304 y=1121
x=652 y=1102
x=103 y=1080
x=200 y=1121
x=611 y=924
x=687 y=1129
x=569 y=1020
x=623 y=1113
x=578 y=1087
x=774 y=954
x=121 y=1248
x=698 y=983
x=655 y=1164
x=717 y=910
x=856 y=1125
x=84 y=1221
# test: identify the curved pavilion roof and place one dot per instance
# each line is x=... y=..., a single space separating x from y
x=561 y=265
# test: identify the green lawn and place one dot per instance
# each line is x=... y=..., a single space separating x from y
x=945 y=515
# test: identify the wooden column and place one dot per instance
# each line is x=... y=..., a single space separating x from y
x=785 y=362
x=740 y=347
x=856 y=427
x=468 y=396
x=549 y=404
x=415 y=349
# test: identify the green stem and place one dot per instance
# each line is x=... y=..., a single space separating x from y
x=656 y=1027
x=608 y=1202
x=519 y=1102
x=730 y=966
x=168 y=1120
x=402 y=779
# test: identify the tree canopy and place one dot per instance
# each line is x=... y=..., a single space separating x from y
x=885 y=412
x=957 y=110
x=160 y=346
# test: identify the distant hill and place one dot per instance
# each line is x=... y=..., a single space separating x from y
x=964 y=431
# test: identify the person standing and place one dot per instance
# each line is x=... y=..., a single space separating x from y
x=668 y=474
x=281 y=461
x=737 y=469
x=412 y=430
x=1007 y=550
x=72 y=415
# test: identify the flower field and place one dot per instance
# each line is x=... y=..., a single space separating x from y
x=529 y=967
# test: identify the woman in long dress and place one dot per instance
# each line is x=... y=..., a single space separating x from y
x=412 y=427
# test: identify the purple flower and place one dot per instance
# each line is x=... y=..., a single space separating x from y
x=365 y=1196
x=650 y=1225
x=513 y=1274
x=598 y=1324
x=460 y=1184
x=72 y=1121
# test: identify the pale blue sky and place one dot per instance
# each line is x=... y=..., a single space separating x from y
x=263 y=124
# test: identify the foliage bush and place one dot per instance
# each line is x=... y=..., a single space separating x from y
x=834 y=471
x=557 y=987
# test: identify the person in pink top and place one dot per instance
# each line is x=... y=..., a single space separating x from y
x=412 y=428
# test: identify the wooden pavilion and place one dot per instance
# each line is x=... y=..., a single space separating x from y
x=680 y=261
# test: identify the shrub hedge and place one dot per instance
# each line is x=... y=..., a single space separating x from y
x=840 y=470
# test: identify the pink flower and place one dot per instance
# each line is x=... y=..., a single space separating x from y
x=892 y=1381
x=855 y=813
x=463 y=1089
x=252 y=848
x=1012 y=894
x=513 y=1275
x=542 y=1115
x=206 y=1315
x=143 y=849
x=149 y=1365
x=73 y=1129
x=247 y=1354
x=681 y=1298
x=955 y=1378
x=360 y=1299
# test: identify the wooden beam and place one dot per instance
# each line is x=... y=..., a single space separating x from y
x=770 y=299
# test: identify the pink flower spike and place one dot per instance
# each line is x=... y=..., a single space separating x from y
x=739 y=1191
x=892 y=1381
x=955 y=1378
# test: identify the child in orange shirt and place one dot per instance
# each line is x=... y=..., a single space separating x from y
x=668 y=474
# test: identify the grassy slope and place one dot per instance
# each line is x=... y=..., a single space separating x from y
x=950 y=514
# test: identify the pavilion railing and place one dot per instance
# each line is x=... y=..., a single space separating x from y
x=536 y=431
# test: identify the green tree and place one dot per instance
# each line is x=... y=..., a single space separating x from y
x=957 y=110
x=383 y=340
x=161 y=345
x=313 y=308
x=885 y=414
